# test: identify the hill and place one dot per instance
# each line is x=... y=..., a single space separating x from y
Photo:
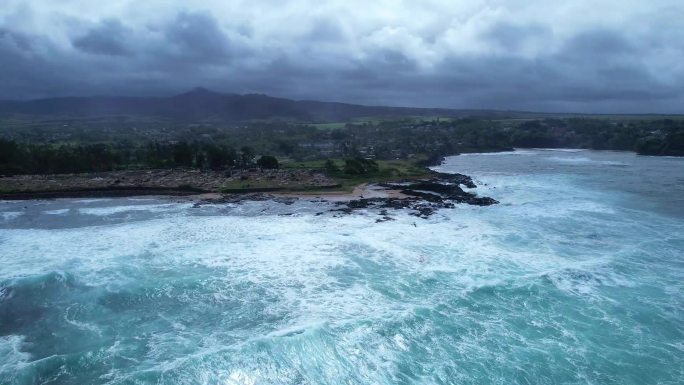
x=204 y=105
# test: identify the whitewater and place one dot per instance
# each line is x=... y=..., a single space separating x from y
x=575 y=277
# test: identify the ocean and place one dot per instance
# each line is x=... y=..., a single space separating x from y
x=575 y=277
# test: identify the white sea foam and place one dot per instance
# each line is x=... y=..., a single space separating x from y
x=585 y=160
x=109 y=210
x=574 y=159
x=570 y=150
x=12 y=357
x=239 y=295
x=69 y=316
x=10 y=215
x=239 y=377
x=501 y=153
x=56 y=212
x=92 y=200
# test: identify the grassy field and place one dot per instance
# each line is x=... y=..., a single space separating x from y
x=265 y=186
x=626 y=118
x=329 y=126
x=617 y=118
x=388 y=170
x=376 y=120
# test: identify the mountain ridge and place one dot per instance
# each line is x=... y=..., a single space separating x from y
x=201 y=104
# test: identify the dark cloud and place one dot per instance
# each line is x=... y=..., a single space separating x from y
x=477 y=62
x=514 y=36
x=600 y=42
x=31 y=67
x=326 y=30
x=11 y=40
x=395 y=60
x=108 y=38
x=197 y=36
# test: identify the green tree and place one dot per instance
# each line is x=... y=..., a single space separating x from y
x=268 y=162
x=331 y=167
x=358 y=166
x=219 y=157
x=246 y=155
x=183 y=154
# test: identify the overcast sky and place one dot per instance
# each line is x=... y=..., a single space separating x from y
x=573 y=55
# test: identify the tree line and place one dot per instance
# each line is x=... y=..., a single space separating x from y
x=21 y=158
x=655 y=137
x=354 y=141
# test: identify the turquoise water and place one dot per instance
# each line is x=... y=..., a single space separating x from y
x=577 y=277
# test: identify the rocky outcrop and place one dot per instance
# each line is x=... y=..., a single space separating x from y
x=422 y=197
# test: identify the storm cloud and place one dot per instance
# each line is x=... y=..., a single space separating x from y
x=585 y=56
x=108 y=38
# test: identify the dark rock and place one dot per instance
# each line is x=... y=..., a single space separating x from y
x=425 y=196
x=284 y=200
x=384 y=219
x=482 y=201
x=430 y=197
x=456 y=179
x=434 y=160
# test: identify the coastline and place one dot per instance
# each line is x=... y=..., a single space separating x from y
x=300 y=183
x=297 y=180
x=108 y=192
x=327 y=193
x=422 y=195
x=161 y=182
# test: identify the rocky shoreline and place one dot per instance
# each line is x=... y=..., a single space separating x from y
x=422 y=196
x=158 y=182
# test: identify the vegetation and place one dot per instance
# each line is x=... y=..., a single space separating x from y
x=18 y=158
x=654 y=137
x=268 y=162
x=360 y=166
x=382 y=170
x=353 y=149
x=670 y=144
